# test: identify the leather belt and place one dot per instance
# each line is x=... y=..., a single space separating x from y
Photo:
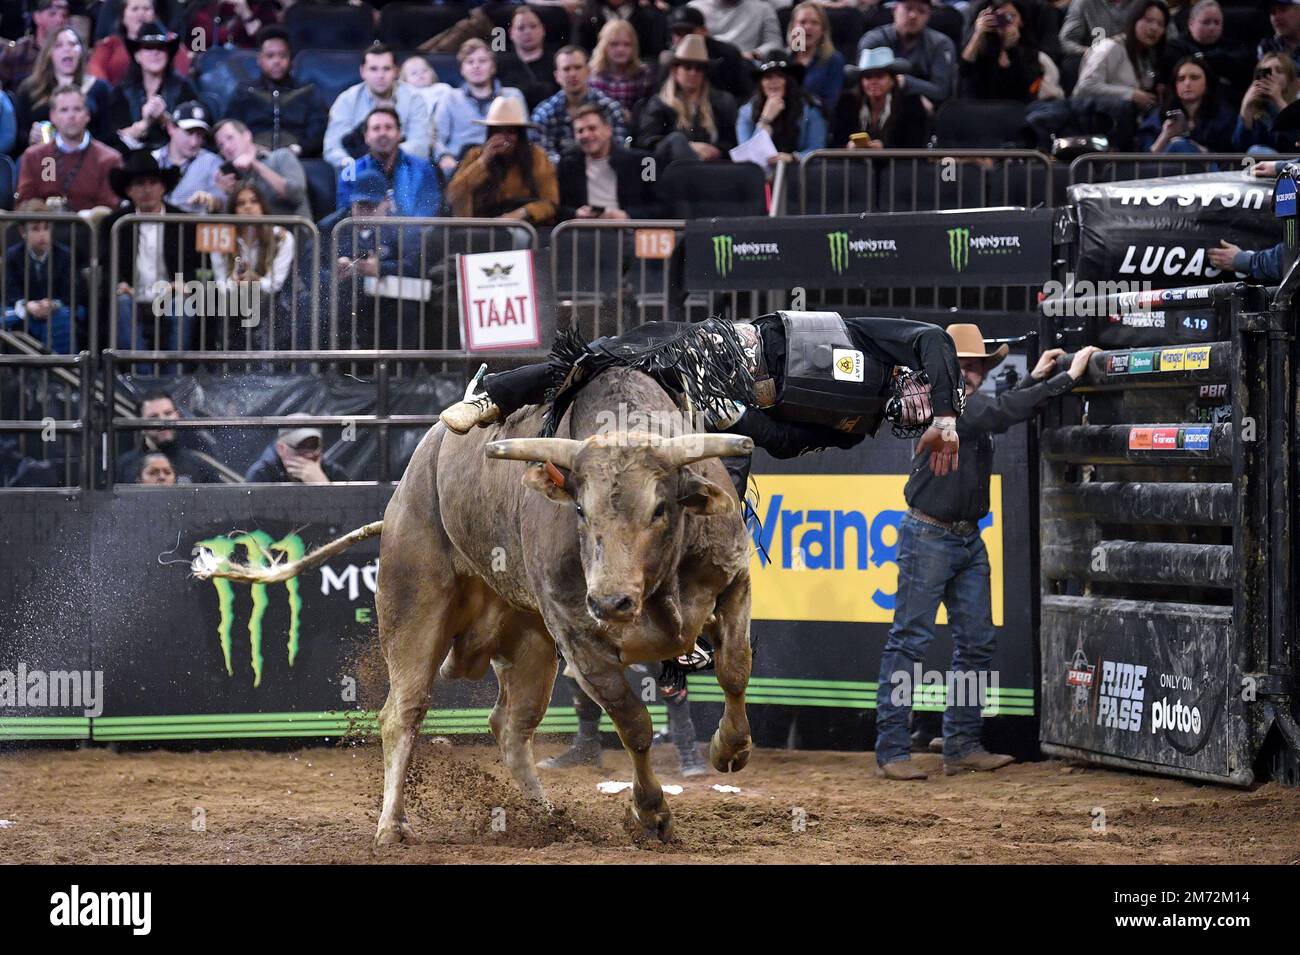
x=964 y=528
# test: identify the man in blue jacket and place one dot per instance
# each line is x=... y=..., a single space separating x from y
x=1262 y=266
x=412 y=182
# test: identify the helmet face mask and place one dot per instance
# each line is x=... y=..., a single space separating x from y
x=909 y=409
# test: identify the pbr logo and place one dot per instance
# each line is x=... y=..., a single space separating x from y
x=1079 y=675
x=258 y=547
x=726 y=250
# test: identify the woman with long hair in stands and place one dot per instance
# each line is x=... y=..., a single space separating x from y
x=1193 y=119
x=152 y=90
x=1264 y=99
x=61 y=62
x=265 y=255
x=616 y=67
x=875 y=112
x=809 y=40
x=111 y=60
x=783 y=109
x=688 y=119
x=507 y=177
x=1127 y=66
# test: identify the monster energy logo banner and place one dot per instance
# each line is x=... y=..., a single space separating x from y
x=726 y=250
x=259 y=548
x=841 y=246
x=960 y=243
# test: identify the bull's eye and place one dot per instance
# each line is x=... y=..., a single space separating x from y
x=660 y=509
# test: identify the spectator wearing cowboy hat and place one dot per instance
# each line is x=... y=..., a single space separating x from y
x=141 y=106
x=726 y=66
x=507 y=177
x=150 y=255
x=941 y=557
x=296 y=456
x=875 y=112
x=110 y=60
x=81 y=165
x=783 y=109
x=929 y=53
x=187 y=131
x=688 y=119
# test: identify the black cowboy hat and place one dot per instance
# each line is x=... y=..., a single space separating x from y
x=778 y=60
x=154 y=34
x=137 y=165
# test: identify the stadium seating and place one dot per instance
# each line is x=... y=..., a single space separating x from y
x=978 y=124
x=407 y=25
x=693 y=190
x=8 y=182
x=332 y=71
x=327 y=26
x=322 y=180
x=847 y=27
x=222 y=73
x=444 y=65
x=949 y=22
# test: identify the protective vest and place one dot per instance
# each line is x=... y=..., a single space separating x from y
x=827 y=379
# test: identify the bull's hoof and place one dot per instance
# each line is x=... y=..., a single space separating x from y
x=395 y=833
x=650 y=824
x=729 y=759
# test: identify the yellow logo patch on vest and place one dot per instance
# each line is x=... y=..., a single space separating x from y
x=847 y=364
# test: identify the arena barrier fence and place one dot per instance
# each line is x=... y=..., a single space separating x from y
x=198 y=297
x=68 y=280
x=45 y=417
x=412 y=301
x=1166 y=551
x=837 y=181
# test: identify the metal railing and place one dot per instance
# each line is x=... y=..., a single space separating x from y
x=68 y=290
x=209 y=303
x=32 y=413
x=1118 y=167
x=410 y=299
x=837 y=181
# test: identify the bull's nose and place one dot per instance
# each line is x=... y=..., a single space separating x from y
x=612 y=606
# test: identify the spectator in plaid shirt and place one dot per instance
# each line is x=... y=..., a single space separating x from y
x=616 y=67
x=553 y=116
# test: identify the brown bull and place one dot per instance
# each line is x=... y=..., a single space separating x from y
x=623 y=550
x=618 y=548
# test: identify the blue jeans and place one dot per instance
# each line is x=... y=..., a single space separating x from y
x=135 y=331
x=55 y=332
x=935 y=565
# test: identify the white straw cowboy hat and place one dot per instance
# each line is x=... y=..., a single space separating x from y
x=505 y=111
x=970 y=344
x=691 y=49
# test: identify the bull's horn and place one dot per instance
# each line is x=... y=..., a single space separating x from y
x=560 y=451
x=687 y=448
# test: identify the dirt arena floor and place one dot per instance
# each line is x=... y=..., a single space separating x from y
x=319 y=805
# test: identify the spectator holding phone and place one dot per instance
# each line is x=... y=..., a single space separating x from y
x=278 y=173
x=1001 y=62
x=876 y=112
x=1195 y=120
x=1273 y=88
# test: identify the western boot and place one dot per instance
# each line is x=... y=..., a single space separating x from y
x=477 y=411
x=977 y=761
x=901 y=769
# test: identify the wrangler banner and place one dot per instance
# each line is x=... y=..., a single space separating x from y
x=939 y=249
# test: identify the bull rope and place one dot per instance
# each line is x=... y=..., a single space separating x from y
x=207 y=565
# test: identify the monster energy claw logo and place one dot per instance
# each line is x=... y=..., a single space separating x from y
x=959 y=248
x=839 y=243
x=723 y=254
x=258 y=546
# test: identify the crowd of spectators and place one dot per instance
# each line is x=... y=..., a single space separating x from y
x=562 y=109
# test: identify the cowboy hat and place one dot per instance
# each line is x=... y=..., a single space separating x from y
x=970 y=344
x=140 y=164
x=691 y=49
x=880 y=58
x=505 y=111
x=778 y=60
x=154 y=35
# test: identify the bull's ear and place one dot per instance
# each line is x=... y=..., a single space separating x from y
x=549 y=480
x=702 y=496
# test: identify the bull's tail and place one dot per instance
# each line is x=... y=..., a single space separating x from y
x=207 y=565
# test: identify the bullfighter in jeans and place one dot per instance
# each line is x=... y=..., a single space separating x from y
x=941 y=557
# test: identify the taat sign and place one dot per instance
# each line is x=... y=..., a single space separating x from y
x=498 y=300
